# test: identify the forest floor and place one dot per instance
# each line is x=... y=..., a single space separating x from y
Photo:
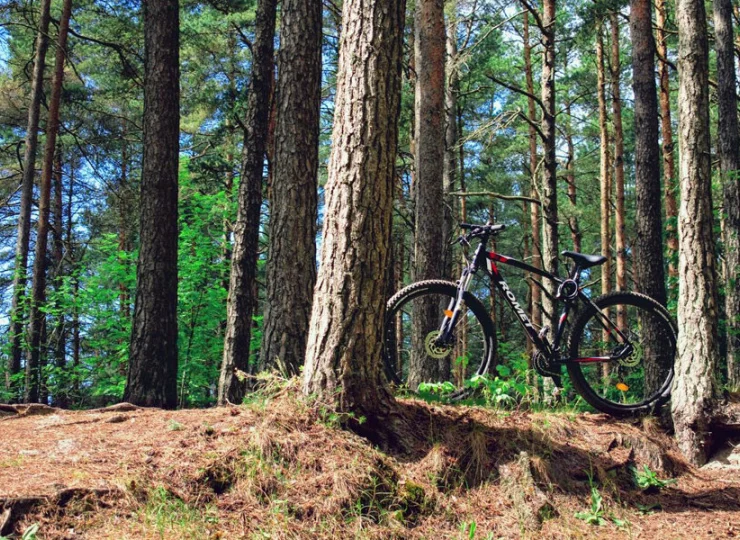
x=282 y=467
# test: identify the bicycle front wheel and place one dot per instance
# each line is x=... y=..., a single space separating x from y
x=636 y=383
x=412 y=353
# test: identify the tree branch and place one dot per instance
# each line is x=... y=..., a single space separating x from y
x=495 y=196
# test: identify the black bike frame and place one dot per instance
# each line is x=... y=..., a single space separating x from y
x=487 y=260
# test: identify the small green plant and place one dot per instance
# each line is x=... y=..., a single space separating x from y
x=28 y=534
x=595 y=515
x=648 y=479
x=174 y=425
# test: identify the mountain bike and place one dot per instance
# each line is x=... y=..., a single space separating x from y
x=619 y=352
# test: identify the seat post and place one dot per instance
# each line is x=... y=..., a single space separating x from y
x=576 y=275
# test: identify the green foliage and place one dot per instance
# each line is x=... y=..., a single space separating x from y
x=595 y=514
x=648 y=479
x=29 y=534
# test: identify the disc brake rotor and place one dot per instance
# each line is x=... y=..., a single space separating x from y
x=633 y=359
x=433 y=349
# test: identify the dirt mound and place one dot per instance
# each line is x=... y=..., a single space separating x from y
x=283 y=467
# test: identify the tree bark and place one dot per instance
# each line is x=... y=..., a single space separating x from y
x=291 y=265
x=37 y=316
x=242 y=297
x=694 y=387
x=550 y=177
x=648 y=260
x=60 y=331
x=152 y=370
x=429 y=115
x=619 y=224
x=605 y=166
x=535 y=293
x=345 y=341
x=729 y=160
x=669 y=168
x=17 y=310
x=449 y=172
x=575 y=230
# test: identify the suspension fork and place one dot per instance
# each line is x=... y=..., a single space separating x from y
x=452 y=313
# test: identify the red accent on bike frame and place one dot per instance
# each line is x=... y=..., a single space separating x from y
x=496 y=257
x=562 y=318
x=590 y=359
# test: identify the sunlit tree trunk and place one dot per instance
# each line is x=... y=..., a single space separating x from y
x=694 y=387
x=345 y=340
x=550 y=177
x=60 y=272
x=669 y=168
x=429 y=115
x=535 y=294
x=37 y=315
x=619 y=224
x=18 y=310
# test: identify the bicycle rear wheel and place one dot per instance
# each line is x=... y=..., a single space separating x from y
x=639 y=383
x=411 y=353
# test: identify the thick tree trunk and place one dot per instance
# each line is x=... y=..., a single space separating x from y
x=669 y=168
x=648 y=261
x=152 y=370
x=550 y=177
x=729 y=160
x=291 y=265
x=619 y=223
x=17 y=310
x=429 y=115
x=345 y=341
x=694 y=387
x=242 y=298
x=38 y=296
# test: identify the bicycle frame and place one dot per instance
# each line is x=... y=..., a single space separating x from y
x=487 y=260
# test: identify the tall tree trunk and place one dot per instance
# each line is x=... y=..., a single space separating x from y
x=38 y=296
x=17 y=310
x=429 y=115
x=345 y=341
x=449 y=172
x=694 y=387
x=605 y=180
x=729 y=159
x=60 y=331
x=575 y=230
x=619 y=224
x=152 y=370
x=648 y=260
x=242 y=297
x=535 y=294
x=291 y=265
x=669 y=168
x=550 y=176
x=124 y=220
x=605 y=166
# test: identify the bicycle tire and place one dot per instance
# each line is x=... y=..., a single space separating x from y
x=660 y=354
x=443 y=289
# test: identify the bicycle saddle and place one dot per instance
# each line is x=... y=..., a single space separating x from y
x=584 y=261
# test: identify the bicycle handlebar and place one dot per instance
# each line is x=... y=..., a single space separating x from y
x=483 y=229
